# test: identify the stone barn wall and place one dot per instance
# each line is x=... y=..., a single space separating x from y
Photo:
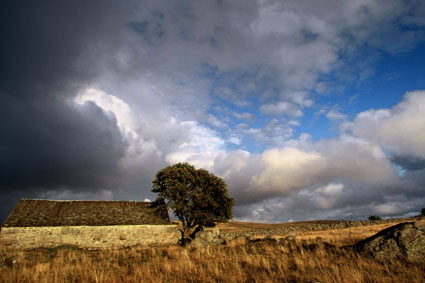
x=101 y=236
x=90 y=236
x=92 y=224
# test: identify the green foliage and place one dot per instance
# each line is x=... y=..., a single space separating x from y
x=197 y=197
x=374 y=217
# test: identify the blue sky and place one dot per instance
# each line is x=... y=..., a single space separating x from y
x=389 y=76
x=307 y=109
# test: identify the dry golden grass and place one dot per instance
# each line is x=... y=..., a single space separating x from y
x=345 y=236
x=264 y=261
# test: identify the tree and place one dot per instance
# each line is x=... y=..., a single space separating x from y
x=374 y=217
x=423 y=212
x=197 y=197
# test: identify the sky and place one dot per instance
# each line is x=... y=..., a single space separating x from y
x=307 y=109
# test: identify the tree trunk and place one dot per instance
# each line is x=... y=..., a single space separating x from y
x=187 y=234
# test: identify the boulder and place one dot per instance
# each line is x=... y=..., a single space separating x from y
x=402 y=241
x=208 y=236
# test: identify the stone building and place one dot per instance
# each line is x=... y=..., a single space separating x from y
x=34 y=223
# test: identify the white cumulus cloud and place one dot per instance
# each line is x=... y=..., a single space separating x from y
x=400 y=129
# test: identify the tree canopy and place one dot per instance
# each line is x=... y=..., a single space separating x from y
x=374 y=217
x=197 y=197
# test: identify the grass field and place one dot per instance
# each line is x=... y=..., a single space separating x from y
x=302 y=260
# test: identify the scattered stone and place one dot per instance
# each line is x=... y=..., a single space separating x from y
x=255 y=240
x=290 y=238
x=270 y=239
x=402 y=241
x=9 y=261
x=324 y=245
x=320 y=239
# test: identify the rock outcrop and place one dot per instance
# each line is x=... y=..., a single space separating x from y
x=402 y=241
x=208 y=236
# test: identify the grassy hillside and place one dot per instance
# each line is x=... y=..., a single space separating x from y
x=305 y=259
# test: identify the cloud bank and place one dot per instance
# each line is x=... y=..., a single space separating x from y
x=92 y=108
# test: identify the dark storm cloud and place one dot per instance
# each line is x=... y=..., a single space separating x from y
x=49 y=50
x=48 y=44
x=409 y=163
x=49 y=144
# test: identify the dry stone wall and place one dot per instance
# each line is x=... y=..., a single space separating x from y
x=90 y=236
x=287 y=230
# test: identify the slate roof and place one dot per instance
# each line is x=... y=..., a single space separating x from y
x=39 y=213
